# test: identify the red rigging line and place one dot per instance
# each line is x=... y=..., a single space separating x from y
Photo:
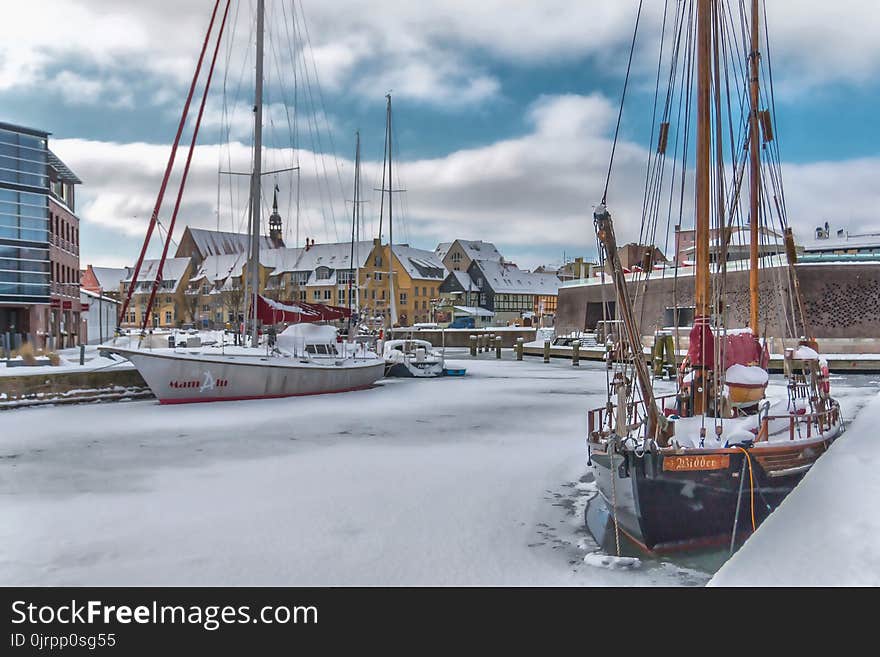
x=155 y=216
x=192 y=147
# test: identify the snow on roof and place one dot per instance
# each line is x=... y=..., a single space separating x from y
x=173 y=270
x=109 y=278
x=442 y=249
x=463 y=279
x=281 y=261
x=220 y=267
x=216 y=242
x=480 y=250
x=335 y=256
x=95 y=295
x=474 y=249
x=510 y=279
x=475 y=310
x=420 y=264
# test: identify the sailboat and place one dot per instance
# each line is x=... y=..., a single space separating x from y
x=304 y=359
x=403 y=357
x=706 y=464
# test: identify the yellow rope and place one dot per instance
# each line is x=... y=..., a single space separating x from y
x=751 y=485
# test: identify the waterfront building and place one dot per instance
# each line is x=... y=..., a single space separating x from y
x=63 y=315
x=459 y=254
x=510 y=294
x=199 y=243
x=25 y=267
x=99 y=314
x=842 y=246
x=417 y=274
x=168 y=305
x=104 y=280
x=770 y=243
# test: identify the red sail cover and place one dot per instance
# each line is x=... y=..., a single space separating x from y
x=275 y=312
x=701 y=351
x=743 y=348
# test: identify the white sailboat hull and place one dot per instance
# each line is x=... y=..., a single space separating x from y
x=180 y=378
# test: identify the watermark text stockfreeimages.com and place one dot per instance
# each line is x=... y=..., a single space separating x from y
x=210 y=617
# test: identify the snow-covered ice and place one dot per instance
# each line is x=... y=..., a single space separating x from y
x=476 y=480
x=827 y=531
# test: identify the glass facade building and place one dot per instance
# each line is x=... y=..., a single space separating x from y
x=24 y=218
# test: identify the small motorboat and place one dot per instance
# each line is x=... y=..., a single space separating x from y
x=412 y=358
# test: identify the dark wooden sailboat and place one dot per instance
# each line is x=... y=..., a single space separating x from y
x=708 y=463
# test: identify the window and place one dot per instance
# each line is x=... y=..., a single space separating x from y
x=316 y=295
x=167 y=316
x=377 y=261
x=322 y=273
x=416 y=291
x=424 y=305
x=206 y=308
x=378 y=276
x=341 y=295
x=456 y=257
x=403 y=298
x=328 y=295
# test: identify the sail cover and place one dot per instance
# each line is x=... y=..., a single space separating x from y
x=275 y=312
x=701 y=350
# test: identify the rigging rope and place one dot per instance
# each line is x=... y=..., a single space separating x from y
x=622 y=99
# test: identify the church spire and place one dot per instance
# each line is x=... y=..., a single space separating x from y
x=275 y=223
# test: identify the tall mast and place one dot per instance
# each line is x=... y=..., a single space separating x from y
x=755 y=169
x=355 y=215
x=703 y=164
x=388 y=143
x=256 y=208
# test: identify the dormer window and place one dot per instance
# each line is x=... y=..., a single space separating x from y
x=322 y=273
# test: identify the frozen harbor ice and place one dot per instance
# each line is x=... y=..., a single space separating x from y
x=477 y=480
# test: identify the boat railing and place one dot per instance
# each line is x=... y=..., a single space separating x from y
x=598 y=417
x=822 y=421
x=818 y=421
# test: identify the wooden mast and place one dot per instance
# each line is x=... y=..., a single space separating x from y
x=754 y=169
x=702 y=202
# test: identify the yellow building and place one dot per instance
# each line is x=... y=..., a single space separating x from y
x=416 y=277
x=169 y=304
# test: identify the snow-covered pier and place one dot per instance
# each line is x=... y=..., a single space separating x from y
x=827 y=532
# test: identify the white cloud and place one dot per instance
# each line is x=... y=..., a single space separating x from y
x=431 y=51
x=528 y=194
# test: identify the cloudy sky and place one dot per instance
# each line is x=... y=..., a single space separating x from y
x=504 y=112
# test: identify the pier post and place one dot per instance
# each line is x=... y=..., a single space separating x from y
x=473 y=344
x=82 y=354
x=546 y=351
x=497 y=346
x=519 y=348
x=576 y=353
